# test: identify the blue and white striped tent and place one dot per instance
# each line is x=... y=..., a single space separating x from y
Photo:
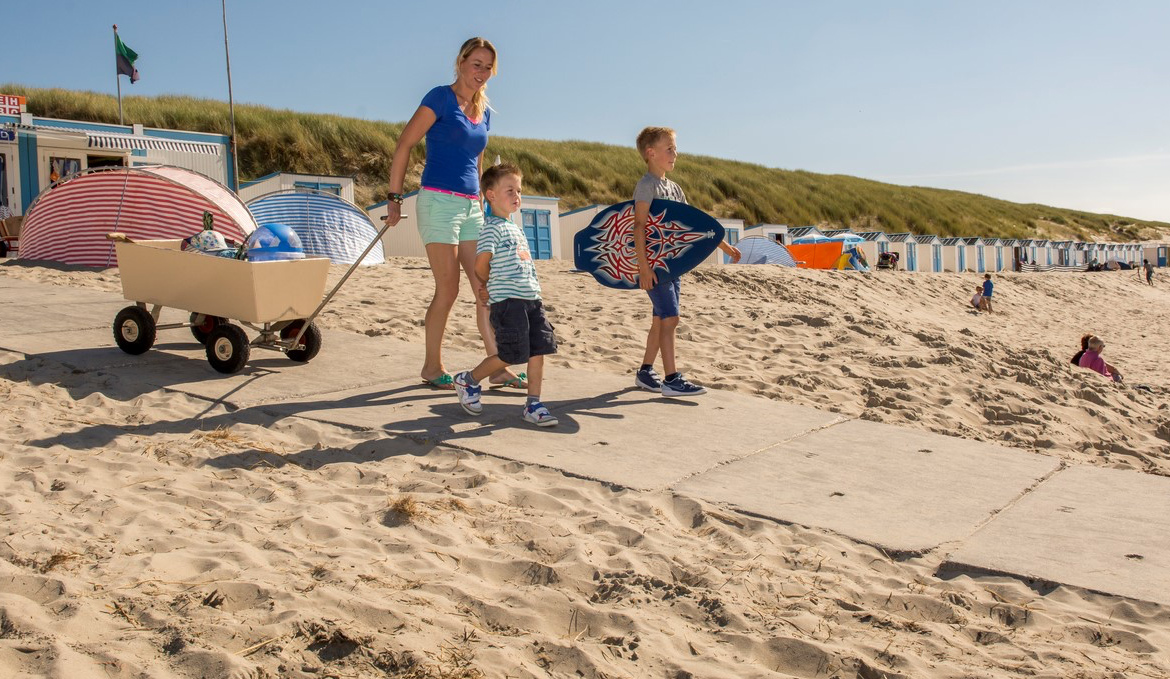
x=328 y=225
x=763 y=250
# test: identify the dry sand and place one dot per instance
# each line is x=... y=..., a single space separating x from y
x=158 y=537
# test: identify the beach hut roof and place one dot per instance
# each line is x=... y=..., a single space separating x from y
x=926 y=239
x=798 y=231
x=328 y=225
x=898 y=237
x=954 y=241
x=836 y=232
x=973 y=240
x=874 y=236
x=145 y=203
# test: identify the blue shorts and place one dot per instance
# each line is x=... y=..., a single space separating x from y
x=664 y=296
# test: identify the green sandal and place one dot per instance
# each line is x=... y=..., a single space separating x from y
x=519 y=382
x=442 y=381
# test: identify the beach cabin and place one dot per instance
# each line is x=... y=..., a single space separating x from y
x=776 y=232
x=1062 y=250
x=954 y=254
x=930 y=250
x=37 y=151
x=998 y=254
x=976 y=254
x=803 y=232
x=538 y=217
x=907 y=249
x=732 y=231
x=570 y=223
x=875 y=244
x=293 y=181
x=1158 y=254
x=1044 y=254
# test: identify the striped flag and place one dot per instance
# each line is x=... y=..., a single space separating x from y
x=125 y=58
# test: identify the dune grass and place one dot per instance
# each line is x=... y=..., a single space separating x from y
x=581 y=173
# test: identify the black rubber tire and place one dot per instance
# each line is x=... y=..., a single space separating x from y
x=311 y=340
x=202 y=331
x=134 y=330
x=228 y=348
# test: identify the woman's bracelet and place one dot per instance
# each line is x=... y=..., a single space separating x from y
x=395 y=197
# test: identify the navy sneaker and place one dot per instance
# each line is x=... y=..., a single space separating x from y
x=648 y=380
x=538 y=414
x=679 y=386
x=468 y=393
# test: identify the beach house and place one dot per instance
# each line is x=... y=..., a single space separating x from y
x=907 y=249
x=776 y=232
x=293 y=181
x=36 y=151
x=875 y=243
x=954 y=254
x=930 y=248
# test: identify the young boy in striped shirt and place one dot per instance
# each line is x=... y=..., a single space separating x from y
x=517 y=315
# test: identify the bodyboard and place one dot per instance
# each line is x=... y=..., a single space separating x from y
x=678 y=238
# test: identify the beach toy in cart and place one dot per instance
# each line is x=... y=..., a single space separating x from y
x=267 y=285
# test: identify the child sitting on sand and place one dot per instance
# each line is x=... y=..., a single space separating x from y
x=503 y=260
x=657 y=146
x=1092 y=360
x=977 y=300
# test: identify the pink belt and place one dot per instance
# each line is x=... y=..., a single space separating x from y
x=468 y=196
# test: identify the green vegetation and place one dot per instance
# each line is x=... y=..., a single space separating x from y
x=581 y=173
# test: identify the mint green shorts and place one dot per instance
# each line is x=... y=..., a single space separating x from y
x=444 y=218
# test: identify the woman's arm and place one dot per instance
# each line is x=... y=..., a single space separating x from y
x=411 y=135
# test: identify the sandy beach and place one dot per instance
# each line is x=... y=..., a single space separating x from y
x=134 y=545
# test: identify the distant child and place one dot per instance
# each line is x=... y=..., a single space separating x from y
x=977 y=300
x=1092 y=360
x=657 y=146
x=988 y=288
x=1149 y=269
x=503 y=260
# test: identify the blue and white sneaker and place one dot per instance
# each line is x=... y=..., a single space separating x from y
x=538 y=414
x=679 y=386
x=648 y=380
x=468 y=393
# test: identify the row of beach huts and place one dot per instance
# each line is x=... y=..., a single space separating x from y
x=35 y=151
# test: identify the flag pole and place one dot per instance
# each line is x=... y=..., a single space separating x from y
x=231 y=103
x=118 y=79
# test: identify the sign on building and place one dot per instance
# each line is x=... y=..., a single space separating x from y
x=11 y=105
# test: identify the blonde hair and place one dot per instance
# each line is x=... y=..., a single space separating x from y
x=479 y=100
x=650 y=136
x=1096 y=344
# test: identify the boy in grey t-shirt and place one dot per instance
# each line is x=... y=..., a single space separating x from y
x=657 y=146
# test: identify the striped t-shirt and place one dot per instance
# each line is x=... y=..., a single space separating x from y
x=513 y=273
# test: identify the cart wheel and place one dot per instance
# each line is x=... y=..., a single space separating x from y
x=134 y=330
x=202 y=330
x=311 y=340
x=228 y=348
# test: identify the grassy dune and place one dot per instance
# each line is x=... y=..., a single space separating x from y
x=581 y=173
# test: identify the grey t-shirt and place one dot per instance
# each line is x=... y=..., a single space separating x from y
x=650 y=187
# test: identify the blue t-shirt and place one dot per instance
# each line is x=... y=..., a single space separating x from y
x=453 y=144
x=987 y=288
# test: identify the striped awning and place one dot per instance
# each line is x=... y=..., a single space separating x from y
x=126 y=142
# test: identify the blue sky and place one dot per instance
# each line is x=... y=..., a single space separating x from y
x=1058 y=102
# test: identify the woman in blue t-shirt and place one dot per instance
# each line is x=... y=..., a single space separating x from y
x=455 y=119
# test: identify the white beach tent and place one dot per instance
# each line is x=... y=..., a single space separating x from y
x=328 y=225
x=763 y=250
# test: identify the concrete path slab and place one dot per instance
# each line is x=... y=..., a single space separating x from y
x=902 y=490
x=1105 y=530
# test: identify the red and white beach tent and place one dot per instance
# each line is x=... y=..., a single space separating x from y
x=69 y=221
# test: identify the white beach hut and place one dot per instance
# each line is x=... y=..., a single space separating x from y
x=954 y=254
x=573 y=221
x=875 y=244
x=930 y=249
x=977 y=254
x=776 y=232
x=294 y=181
x=907 y=249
